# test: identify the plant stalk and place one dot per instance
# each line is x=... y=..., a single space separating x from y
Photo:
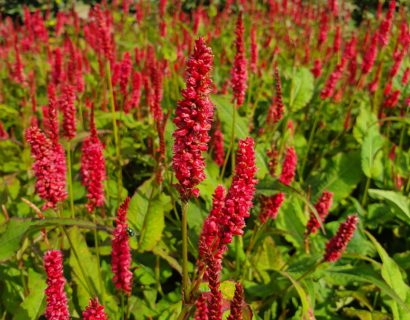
x=116 y=132
x=185 y=278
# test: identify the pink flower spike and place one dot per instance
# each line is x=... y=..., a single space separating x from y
x=193 y=119
x=239 y=74
x=67 y=107
x=57 y=307
x=322 y=207
x=121 y=251
x=337 y=245
x=289 y=167
x=94 y=311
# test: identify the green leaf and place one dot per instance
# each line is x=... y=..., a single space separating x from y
x=86 y=271
x=393 y=277
x=10 y=240
x=371 y=154
x=398 y=200
x=340 y=176
x=32 y=305
x=366 y=275
x=364 y=121
x=225 y=109
x=301 y=88
x=292 y=219
x=146 y=214
x=301 y=292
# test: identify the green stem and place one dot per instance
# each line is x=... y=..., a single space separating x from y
x=309 y=145
x=122 y=307
x=97 y=251
x=116 y=132
x=366 y=188
x=230 y=150
x=70 y=179
x=184 y=227
x=91 y=290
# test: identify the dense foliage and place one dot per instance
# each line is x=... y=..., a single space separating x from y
x=230 y=159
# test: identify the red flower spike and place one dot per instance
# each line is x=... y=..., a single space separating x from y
x=57 y=307
x=209 y=238
x=236 y=303
x=329 y=88
x=51 y=119
x=337 y=245
x=370 y=56
x=322 y=207
x=317 y=68
x=270 y=206
x=201 y=312
x=289 y=167
x=94 y=311
x=214 y=273
x=49 y=167
x=385 y=26
x=254 y=50
x=121 y=251
x=276 y=110
x=67 y=107
x=193 y=119
x=238 y=201
x=218 y=144
x=93 y=171
x=239 y=73
x=125 y=73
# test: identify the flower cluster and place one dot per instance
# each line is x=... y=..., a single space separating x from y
x=218 y=145
x=94 y=311
x=238 y=201
x=270 y=206
x=236 y=304
x=49 y=167
x=121 y=251
x=93 y=172
x=337 y=245
x=289 y=166
x=239 y=74
x=67 y=107
x=193 y=119
x=322 y=207
x=57 y=308
x=276 y=110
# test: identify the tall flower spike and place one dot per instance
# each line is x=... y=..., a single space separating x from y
x=215 y=301
x=121 y=251
x=322 y=207
x=201 y=312
x=57 y=308
x=276 y=110
x=238 y=201
x=51 y=121
x=94 y=311
x=289 y=167
x=385 y=26
x=209 y=238
x=270 y=206
x=218 y=144
x=337 y=245
x=236 y=303
x=193 y=119
x=49 y=167
x=254 y=50
x=68 y=109
x=239 y=73
x=93 y=171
